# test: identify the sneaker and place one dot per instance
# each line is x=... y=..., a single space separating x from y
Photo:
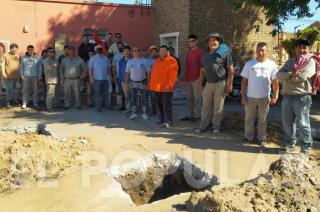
x=215 y=131
x=290 y=148
x=166 y=125
x=79 y=107
x=133 y=116
x=305 y=151
x=145 y=116
x=199 y=130
x=8 y=105
x=263 y=143
x=24 y=106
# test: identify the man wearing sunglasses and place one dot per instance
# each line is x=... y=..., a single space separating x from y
x=191 y=76
x=49 y=69
x=137 y=74
x=99 y=73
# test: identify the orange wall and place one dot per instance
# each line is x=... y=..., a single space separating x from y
x=46 y=20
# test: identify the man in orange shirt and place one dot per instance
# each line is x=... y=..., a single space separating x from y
x=164 y=75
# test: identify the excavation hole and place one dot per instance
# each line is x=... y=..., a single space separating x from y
x=158 y=179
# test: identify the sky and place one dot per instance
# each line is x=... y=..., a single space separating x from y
x=288 y=26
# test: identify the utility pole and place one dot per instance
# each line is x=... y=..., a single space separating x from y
x=294 y=30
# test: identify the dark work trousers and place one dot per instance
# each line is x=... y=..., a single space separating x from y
x=164 y=106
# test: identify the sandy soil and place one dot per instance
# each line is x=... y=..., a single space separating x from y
x=291 y=184
x=31 y=158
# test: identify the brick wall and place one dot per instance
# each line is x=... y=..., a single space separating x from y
x=172 y=16
x=242 y=29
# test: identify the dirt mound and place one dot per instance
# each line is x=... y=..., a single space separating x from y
x=29 y=157
x=291 y=184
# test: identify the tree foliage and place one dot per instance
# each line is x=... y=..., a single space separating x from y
x=311 y=34
x=278 y=11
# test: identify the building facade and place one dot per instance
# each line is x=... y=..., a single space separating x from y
x=241 y=29
x=44 y=22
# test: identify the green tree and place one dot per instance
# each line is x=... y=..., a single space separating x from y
x=311 y=34
x=278 y=11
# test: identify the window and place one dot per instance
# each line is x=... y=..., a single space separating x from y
x=6 y=43
x=102 y=34
x=171 y=40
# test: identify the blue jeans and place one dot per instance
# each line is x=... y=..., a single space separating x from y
x=121 y=91
x=295 y=115
x=98 y=86
x=138 y=88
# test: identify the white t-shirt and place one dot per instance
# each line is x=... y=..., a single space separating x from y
x=137 y=68
x=114 y=48
x=260 y=76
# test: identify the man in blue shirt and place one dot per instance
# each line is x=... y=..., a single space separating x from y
x=99 y=73
x=29 y=71
x=121 y=72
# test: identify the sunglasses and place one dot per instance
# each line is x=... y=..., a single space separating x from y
x=136 y=50
x=51 y=52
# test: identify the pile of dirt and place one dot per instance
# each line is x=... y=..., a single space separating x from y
x=291 y=184
x=28 y=157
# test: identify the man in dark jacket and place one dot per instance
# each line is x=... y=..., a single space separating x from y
x=84 y=48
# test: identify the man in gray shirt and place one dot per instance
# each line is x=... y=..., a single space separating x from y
x=72 y=70
x=217 y=70
x=296 y=104
x=49 y=69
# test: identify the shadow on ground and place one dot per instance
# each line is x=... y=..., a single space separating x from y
x=181 y=133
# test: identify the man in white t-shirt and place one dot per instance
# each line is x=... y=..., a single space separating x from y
x=113 y=49
x=257 y=76
x=137 y=74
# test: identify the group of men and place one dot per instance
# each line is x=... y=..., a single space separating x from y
x=149 y=83
x=209 y=78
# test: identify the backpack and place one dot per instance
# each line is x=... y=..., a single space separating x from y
x=316 y=77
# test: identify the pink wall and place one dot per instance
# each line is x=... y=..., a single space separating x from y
x=48 y=19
